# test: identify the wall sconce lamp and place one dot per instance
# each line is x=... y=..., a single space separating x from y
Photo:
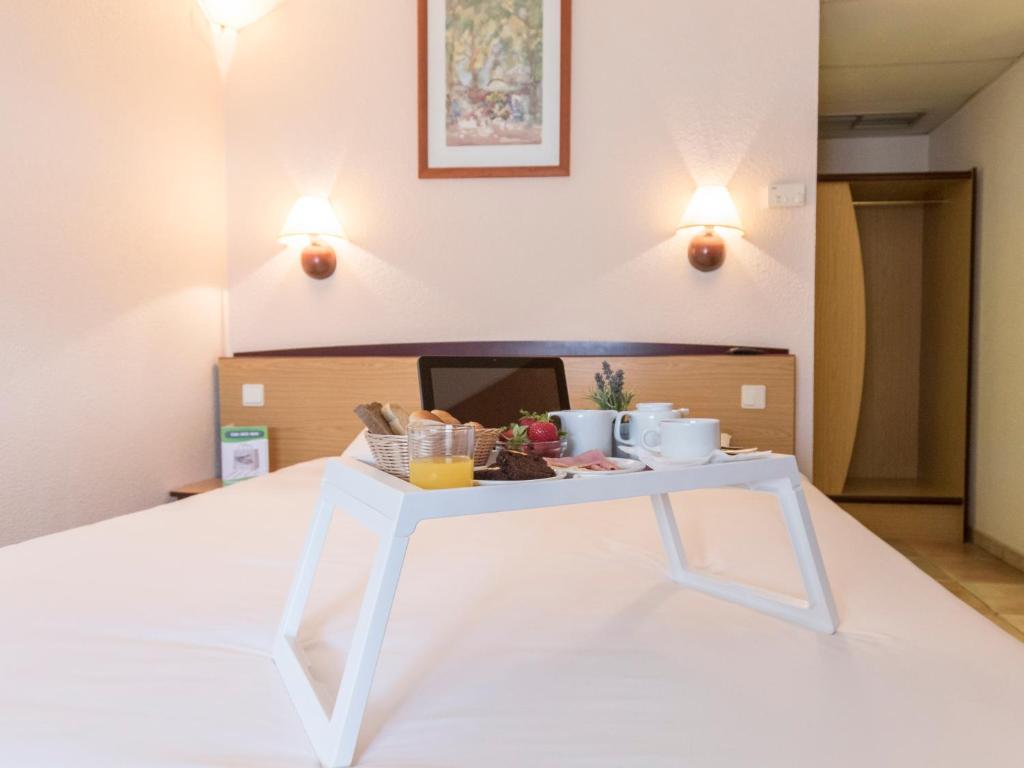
x=311 y=220
x=710 y=210
x=226 y=18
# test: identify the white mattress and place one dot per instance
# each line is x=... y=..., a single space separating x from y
x=541 y=638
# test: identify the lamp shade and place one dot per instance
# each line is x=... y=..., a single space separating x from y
x=711 y=207
x=235 y=14
x=309 y=217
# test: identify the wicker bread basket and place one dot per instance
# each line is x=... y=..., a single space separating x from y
x=391 y=452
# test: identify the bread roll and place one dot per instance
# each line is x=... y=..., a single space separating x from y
x=446 y=417
x=396 y=417
x=418 y=417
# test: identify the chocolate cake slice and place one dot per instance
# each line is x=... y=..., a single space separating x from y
x=516 y=465
x=489 y=473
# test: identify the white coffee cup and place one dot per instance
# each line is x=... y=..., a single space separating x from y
x=683 y=439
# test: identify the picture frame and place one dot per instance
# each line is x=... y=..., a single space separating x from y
x=494 y=88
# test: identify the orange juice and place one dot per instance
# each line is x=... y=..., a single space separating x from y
x=441 y=472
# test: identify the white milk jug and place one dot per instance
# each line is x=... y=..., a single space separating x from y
x=646 y=416
x=587 y=430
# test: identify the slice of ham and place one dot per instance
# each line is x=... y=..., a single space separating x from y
x=586 y=460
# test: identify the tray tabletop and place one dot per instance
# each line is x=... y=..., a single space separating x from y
x=394 y=497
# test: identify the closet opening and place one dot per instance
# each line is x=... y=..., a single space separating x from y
x=892 y=347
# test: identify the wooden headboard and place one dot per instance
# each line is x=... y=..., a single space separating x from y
x=309 y=394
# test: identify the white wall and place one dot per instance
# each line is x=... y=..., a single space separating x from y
x=321 y=98
x=112 y=212
x=987 y=134
x=873 y=154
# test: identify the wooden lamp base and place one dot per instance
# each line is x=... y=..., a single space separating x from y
x=707 y=251
x=319 y=261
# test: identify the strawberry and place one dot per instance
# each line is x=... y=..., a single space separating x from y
x=542 y=432
x=526 y=418
x=516 y=435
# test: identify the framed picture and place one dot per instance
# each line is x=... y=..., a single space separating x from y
x=494 y=88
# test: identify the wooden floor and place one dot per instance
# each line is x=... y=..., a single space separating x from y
x=987 y=584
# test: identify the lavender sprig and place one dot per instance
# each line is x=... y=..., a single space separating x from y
x=610 y=392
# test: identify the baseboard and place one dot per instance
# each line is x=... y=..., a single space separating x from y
x=1008 y=555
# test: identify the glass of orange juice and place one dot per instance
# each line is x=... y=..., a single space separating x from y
x=441 y=455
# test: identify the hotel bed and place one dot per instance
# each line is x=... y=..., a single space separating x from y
x=547 y=637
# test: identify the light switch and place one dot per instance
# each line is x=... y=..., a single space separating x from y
x=753 y=396
x=252 y=395
x=787 y=195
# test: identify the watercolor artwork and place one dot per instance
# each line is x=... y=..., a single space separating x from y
x=494 y=53
x=494 y=81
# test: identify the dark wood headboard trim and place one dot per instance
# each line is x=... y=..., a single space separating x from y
x=517 y=349
x=911 y=176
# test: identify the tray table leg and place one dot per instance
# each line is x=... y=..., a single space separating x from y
x=817 y=612
x=334 y=734
x=365 y=651
x=797 y=517
x=311 y=552
x=669 y=531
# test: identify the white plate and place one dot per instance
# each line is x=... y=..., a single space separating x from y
x=625 y=466
x=560 y=474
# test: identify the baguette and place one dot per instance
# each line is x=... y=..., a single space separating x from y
x=396 y=417
x=370 y=414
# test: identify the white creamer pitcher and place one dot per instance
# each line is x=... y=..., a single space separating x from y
x=646 y=416
x=587 y=430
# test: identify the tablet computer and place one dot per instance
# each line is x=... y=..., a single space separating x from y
x=492 y=390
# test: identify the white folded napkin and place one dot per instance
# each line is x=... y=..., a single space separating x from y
x=721 y=456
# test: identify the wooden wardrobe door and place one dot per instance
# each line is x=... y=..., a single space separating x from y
x=839 y=336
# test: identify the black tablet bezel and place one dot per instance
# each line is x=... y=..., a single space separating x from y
x=427 y=363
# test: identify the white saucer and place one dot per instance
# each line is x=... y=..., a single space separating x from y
x=625 y=466
x=656 y=462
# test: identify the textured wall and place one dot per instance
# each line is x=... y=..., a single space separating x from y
x=987 y=133
x=321 y=98
x=112 y=212
x=881 y=154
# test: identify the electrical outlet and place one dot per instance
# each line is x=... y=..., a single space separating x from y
x=753 y=396
x=252 y=395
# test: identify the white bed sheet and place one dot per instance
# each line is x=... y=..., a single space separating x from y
x=538 y=638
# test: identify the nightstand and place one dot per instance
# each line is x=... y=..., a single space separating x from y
x=192 y=489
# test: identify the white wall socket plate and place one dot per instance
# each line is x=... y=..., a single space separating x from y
x=252 y=395
x=754 y=396
x=787 y=195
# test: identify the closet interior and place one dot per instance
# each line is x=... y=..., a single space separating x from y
x=892 y=350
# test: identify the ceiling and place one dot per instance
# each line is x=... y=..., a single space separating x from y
x=894 y=57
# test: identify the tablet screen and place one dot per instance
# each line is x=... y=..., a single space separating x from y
x=492 y=390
